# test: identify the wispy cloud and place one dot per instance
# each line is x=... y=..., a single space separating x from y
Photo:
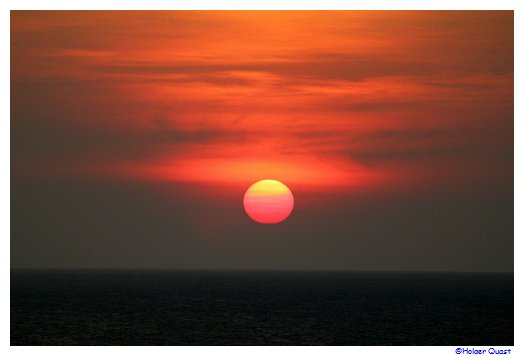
x=357 y=91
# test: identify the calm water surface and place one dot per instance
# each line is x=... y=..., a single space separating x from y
x=116 y=307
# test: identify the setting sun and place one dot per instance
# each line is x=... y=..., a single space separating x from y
x=268 y=201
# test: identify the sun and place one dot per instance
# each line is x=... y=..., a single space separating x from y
x=268 y=201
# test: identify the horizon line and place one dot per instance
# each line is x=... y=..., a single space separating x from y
x=221 y=269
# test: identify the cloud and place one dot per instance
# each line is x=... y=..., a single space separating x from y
x=133 y=88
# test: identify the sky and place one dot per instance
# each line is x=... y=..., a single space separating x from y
x=135 y=134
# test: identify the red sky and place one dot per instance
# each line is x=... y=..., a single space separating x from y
x=358 y=100
x=135 y=134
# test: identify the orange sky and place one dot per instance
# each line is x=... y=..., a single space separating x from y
x=360 y=100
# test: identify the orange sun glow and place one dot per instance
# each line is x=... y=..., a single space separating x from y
x=268 y=202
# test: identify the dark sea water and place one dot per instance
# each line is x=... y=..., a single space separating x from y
x=83 y=307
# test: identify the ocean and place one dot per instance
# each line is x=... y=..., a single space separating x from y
x=197 y=307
